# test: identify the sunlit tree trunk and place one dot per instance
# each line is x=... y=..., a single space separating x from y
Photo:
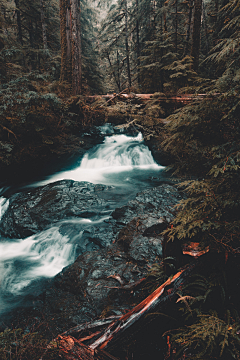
x=126 y=44
x=76 y=48
x=44 y=25
x=196 y=33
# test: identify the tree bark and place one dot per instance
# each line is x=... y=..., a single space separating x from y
x=196 y=33
x=118 y=70
x=205 y=27
x=76 y=48
x=138 y=42
x=126 y=44
x=189 y=26
x=19 y=22
x=44 y=25
x=30 y=32
x=68 y=31
x=65 y=28
x=176 y=26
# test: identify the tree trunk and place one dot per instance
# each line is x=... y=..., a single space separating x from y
x=162 y=21
x=138 y=42
x=188 y=27
x=76 y=48
x=69 y=31
x=65 y=28
x=176 y=26
x=196 y=33
x=113 y=72
x=30 y=32
x=118 y=70
x=44 y=25
x=205 y=27
x=165 y=22
x=19 y=22
x=126 y=44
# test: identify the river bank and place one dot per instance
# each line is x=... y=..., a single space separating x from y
x=121 y=237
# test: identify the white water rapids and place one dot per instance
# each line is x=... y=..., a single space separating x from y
x=121 y=161
x=112 y=163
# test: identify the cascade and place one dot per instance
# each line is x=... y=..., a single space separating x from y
x=121 y=161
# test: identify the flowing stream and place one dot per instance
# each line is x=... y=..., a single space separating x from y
x=121 y=161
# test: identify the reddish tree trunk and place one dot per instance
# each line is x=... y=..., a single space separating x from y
x=76 y=48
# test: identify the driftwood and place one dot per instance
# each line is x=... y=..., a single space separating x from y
x=117 y=327
x=90 y=325
x=110 y=333
x=72 y=349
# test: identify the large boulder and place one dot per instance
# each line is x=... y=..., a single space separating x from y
x=35 y=210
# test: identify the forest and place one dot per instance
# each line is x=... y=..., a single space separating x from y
x=171 y=70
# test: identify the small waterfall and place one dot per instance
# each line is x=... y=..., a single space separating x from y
x=45 y=253
x=105 y=163
x=40 y=255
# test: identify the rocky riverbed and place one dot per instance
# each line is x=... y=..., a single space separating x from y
x=122 y=247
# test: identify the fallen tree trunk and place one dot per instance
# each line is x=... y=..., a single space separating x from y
x=111 y=333
x=117 y=327
x=184 y=99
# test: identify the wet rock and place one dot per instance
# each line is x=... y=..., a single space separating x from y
x=157 y=202
x=100 y=283
x=101 y=280
x=35 y=210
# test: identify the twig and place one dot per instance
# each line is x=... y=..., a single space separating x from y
x=9 y=131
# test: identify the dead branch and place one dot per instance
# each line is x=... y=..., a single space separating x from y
x=119 y=326
x=90 y=325
x=9 y=131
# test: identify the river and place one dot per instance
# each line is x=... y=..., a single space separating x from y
x=121 y=161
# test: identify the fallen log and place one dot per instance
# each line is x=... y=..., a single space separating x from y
x=90 y=325
x=72 y=349
x=184 y=98
x=117 y=327
x=117 y=330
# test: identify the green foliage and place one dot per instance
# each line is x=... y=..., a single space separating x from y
x=210 y=337
x=206 y=135
x=19 y=345
x=22 y=95
x=157 y=275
